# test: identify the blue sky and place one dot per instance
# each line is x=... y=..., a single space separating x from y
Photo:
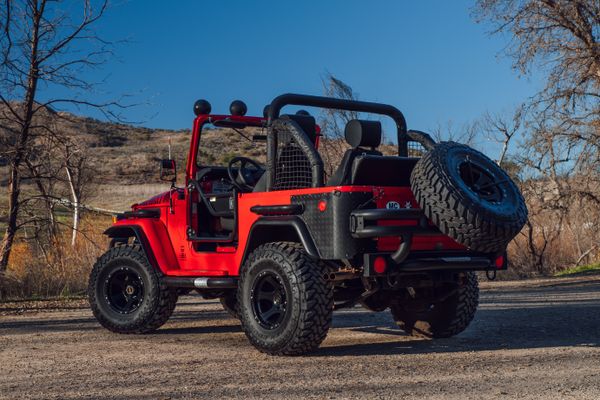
x=429 y=58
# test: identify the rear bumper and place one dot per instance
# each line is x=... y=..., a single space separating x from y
x=424 y=262
x=363 y=224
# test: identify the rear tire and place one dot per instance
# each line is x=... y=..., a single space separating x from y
x=127 y=294
x=285 y=302
x=230 y=304
x=442 y=319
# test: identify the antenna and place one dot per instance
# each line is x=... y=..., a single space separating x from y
x=170 y=147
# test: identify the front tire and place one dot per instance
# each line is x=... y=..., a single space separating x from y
x=285 y=304
x=127 y=294
x=442 y=319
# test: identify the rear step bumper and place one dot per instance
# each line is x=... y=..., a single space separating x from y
x=363 y=224
x=447 y=263
x=417 y=263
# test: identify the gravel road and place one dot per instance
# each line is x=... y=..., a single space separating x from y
x=536 y=339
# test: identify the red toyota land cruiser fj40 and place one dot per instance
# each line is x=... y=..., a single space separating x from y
x=283 y=248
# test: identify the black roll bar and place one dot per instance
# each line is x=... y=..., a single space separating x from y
x=308 y=148
x=404 y=136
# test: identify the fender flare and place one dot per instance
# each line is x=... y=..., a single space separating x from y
x=124 y=232
x=121 y=233
x=288 y=223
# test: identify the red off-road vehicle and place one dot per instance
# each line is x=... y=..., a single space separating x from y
x=283 y=248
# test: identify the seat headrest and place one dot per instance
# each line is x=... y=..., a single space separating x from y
x=361 y=133
x=306 y=122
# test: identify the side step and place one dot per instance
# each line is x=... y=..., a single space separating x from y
x=197 y=282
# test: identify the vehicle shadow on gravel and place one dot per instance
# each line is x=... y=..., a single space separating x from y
x=48 y=325
x=88 y=323
x=556 y=315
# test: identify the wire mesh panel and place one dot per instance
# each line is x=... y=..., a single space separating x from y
x=415 y=149
x=292 y=166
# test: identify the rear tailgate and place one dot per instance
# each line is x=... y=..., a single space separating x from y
x=402 y=198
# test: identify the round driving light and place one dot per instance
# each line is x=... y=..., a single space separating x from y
x=202 y=107
x=238 y=108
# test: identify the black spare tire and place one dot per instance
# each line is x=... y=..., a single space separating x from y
x=468 y=197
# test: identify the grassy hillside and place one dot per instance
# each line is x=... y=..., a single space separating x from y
x=125 y=158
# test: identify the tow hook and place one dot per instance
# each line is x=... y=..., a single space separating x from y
x=490 y=275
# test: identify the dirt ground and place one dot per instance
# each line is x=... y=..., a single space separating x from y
x=530 y=340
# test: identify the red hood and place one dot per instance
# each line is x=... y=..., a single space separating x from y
x=162 y=198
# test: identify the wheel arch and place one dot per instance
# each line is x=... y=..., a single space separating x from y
x=122 y=234
x=159 y=253
x=280 y=229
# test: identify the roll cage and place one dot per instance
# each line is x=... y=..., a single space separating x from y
x=272 y=122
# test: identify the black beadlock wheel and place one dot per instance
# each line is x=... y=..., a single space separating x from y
x=468 y=197
x=123 y=290
x=444 y=318
x=285 y=304
x=268 y=299
x=127 y=294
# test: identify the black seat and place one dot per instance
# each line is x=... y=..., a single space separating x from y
x=359 y=134
x=382 y=170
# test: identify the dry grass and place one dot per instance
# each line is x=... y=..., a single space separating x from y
x=121 y=197
x=58 y=270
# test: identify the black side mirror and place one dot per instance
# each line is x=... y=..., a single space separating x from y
x=168 y=170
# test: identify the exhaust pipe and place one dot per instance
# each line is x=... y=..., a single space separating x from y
x=400 y=255
x=340 y=276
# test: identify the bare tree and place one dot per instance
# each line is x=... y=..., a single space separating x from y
x=502 y=129
x=562 y=39
x=42 y=45
x=467 y=133
x=79 y=175
x=560 y=130
x=333 y=123
x=561 y=36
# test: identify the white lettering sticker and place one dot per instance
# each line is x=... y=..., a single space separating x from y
x=392 y=205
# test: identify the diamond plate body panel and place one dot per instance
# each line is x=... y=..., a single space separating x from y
x=330 y=229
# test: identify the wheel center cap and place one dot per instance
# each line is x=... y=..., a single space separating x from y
x=129 y=290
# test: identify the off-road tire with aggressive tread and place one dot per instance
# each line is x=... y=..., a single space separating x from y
x=230 y=304
x=458 y=211
x=157 y=305
x=310 y=303
x=443 y=319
